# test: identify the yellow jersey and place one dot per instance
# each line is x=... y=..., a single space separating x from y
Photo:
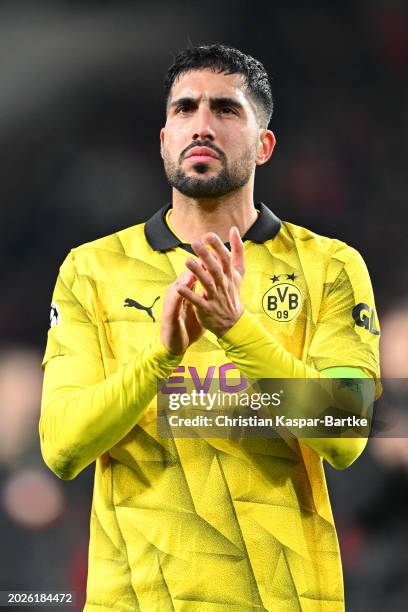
x=196 y=524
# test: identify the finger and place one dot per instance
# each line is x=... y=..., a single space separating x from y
x=237 y=250
x=211 y=263
x=191 y=281
x=223 y=254
x=191 y=296
x=173 y=298
x=186 y=277
x=205 y=279
x=174 y=303
x=191 y=312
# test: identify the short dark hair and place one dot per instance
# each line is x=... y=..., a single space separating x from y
x=227 y=60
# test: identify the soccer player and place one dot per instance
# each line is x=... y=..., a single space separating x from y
x=210 y=283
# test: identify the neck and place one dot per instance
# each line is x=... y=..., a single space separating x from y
x=191 y=218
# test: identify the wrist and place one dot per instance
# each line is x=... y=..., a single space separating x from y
x=225 y=328
x=171 y=350
x=240 y=332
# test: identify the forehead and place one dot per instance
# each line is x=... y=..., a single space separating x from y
x=206 y=83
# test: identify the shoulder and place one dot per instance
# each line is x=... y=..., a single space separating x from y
x=108 y=250
x=331 y=260
x=118 y=242
x=330 y=250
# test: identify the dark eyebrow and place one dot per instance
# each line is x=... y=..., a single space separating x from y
x=185 y=100
x=225 y=101
x=214 y=102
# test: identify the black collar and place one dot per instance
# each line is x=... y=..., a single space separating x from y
x=161 y=238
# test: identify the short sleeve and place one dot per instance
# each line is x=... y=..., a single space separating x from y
x=71 y=332
x=347 y=332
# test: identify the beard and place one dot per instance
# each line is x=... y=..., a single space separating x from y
x=228 y=179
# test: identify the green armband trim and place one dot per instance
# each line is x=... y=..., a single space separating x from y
x=345 y=372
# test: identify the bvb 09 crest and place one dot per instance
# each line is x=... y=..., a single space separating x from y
x=282 y=302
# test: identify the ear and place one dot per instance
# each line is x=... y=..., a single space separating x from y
x=267 y=142
x=162 y=135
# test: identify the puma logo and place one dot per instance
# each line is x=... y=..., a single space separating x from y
x=133 y=304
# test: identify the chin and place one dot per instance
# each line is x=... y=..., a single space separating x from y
x=201 y=168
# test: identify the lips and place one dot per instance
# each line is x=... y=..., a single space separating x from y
x=201 y=154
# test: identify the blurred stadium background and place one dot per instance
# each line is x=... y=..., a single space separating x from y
x=81 y=106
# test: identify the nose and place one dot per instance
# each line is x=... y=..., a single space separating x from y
x=202 y=126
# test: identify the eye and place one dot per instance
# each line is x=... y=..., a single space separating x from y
x=227 y=110
x=183 y=108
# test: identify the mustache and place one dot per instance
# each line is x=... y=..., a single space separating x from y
x=203 y=143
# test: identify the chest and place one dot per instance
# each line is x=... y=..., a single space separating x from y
x=274 y=289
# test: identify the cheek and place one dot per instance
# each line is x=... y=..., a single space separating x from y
x=243 y=143
x=168 y=147
x=241 y=136
x=174 y=141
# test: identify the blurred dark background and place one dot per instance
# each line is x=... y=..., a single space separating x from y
x=81 y=106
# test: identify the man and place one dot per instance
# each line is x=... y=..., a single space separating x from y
x=210 y=283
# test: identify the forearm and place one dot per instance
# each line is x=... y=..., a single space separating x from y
x=78 y=424
x=342 y=452
x=257 y=354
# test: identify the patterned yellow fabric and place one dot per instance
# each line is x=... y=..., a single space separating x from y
x=193 y=524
